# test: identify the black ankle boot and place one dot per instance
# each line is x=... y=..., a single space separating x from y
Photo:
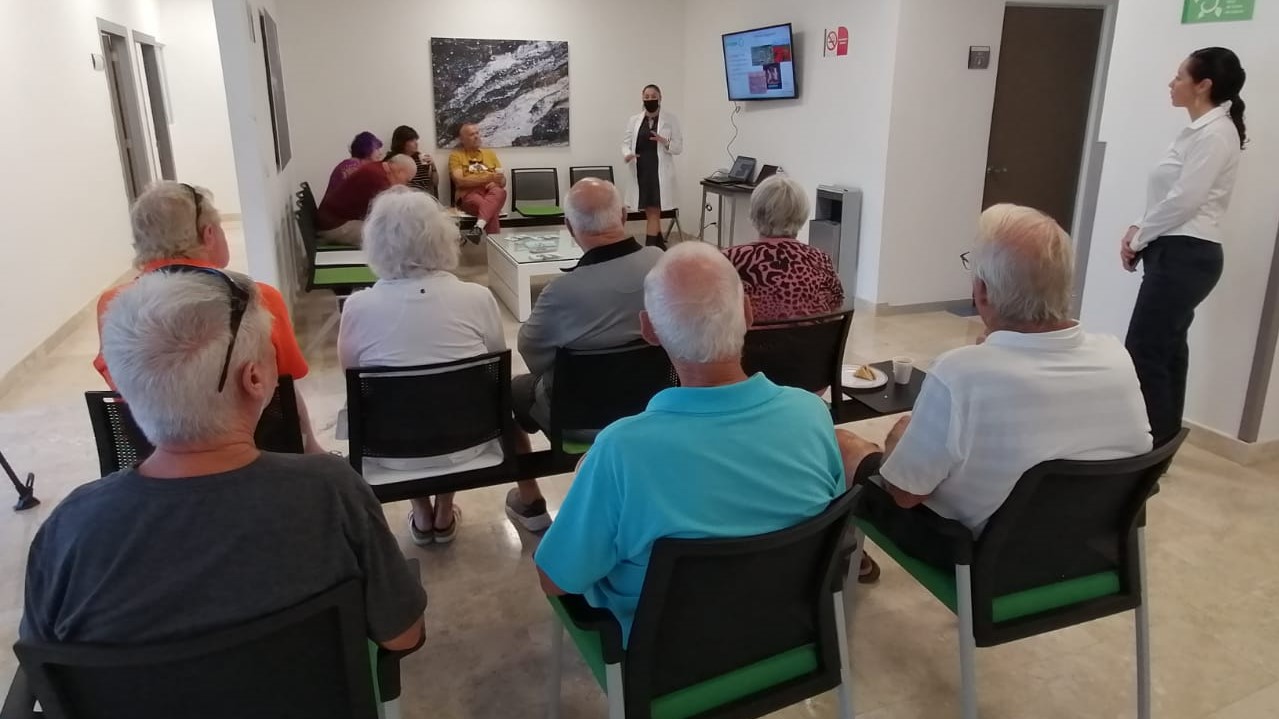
x=655 y=241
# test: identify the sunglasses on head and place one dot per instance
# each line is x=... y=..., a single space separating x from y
x=239 y=299
x=195 y=197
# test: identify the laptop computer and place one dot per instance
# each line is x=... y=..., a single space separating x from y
x=765 y=172
x=742 y=171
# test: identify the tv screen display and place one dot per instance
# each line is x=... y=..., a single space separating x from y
x=760 y=64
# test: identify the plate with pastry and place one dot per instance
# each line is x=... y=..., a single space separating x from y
x=863 y=376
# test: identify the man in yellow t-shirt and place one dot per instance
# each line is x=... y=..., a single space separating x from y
x=479 y=185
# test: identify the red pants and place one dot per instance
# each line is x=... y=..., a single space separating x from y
x=485 y=205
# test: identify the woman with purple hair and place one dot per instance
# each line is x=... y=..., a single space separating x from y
x=364 y=148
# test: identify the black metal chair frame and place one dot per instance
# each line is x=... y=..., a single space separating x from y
x=581 y=172
x=977 y=562
x=517 y=172
x=506 y=471
x=47 y=671
x=834 y=363
x=111 y=429
x=630 y=671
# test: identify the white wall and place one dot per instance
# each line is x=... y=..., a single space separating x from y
x=1137 y=125
x=265 y=194
x=340 y=82
x=201 y=130
x=940 y=124
x=56 y=261
x=835 y=133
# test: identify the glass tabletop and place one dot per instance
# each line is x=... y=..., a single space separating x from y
x=532 y=247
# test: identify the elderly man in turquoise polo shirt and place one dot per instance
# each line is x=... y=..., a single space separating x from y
x=722 y=455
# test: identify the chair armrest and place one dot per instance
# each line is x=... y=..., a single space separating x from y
x=20 y=702
x=601 y=621
x=918 y=531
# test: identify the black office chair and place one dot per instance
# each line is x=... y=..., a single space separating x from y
x=431 y=410
x=579 y=172
x=594 y=388
x=807 y=353
x=1066 y=547
x=535 y=191
x=310 y=661
x=724 y=627
x=121 y=444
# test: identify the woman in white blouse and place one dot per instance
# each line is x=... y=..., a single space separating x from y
x=420 y=313
x=649 y=146
x=1179 y=238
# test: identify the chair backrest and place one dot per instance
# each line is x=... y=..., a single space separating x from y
x=594 y=388
x=306 y=199
x=429 y=410
x=534 y=187
x=1067 y=520
x=807 y=353
x=310 y=661
x=578 y=172
x=310 y=243
x=121 y=443
x=712 y=606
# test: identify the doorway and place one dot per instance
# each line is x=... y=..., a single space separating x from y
x=130 y=136
x=155 y=104
x=1043 y=98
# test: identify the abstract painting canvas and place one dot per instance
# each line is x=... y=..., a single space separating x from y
x=516 y=90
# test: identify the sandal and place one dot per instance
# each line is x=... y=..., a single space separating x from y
x=449 y=533
x=865 y=574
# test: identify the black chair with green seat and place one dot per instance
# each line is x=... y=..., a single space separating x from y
x=312 y=660
x=535 y=192
x=725 y=628
x=339 y=279
x=594 y=388
x=430 y=411
x=807 y=353
x=1066 y=547
x=307 y=204
x=581 y=172
x=121 y=444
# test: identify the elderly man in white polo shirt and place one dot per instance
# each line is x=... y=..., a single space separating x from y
x=1038 y=388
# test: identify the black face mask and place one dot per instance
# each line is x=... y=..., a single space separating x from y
x=652 y=105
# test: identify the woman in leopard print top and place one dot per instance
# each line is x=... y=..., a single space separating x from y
x=784 y=278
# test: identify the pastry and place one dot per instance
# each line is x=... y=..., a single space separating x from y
x=864 y=372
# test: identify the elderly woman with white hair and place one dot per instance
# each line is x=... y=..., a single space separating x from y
x=784 y=278
x=420 y=313
x=236 y=533
x=177 y=224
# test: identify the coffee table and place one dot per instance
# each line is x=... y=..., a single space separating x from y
x=515 y=258
x=892 y=398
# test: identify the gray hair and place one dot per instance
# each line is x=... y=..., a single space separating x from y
x=405 y=163
x=779 y=207
x=693 y=297
x=407 y=234
x=165 y=338
x=587 y=214
x=1027 y=263
x=164 y=225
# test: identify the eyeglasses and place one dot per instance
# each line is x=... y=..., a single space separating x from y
x=195 y=197
x=963 y=259
x=239 y=301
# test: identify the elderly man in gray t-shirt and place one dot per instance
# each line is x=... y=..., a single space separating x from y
x=208 y=531
x=596 y=305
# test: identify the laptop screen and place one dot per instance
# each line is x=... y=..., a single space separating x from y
x=743 y=168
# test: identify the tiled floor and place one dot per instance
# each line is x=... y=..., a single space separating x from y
x=1213 y=551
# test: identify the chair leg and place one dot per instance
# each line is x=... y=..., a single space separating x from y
x=556 y=669
x=1143 y=632
x=616 y=699
x=855 y=561
x=845 y=667
x=320 y=337
x=390 y=710
x=967 y=642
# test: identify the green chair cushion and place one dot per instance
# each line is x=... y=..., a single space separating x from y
x=703 y=696
x=348 y=276
x=539 y=210
x=941 y=584
x=574 y=447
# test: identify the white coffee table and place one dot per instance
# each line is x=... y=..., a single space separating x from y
x=516 y=257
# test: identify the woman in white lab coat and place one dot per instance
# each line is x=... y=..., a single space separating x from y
x=1179 y=238
x=651 y=141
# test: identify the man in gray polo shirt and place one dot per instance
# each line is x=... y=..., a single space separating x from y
x=596 y=305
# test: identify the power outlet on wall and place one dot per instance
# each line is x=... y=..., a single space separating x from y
x=978 y=57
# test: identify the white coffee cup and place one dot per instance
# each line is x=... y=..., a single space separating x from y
x=903 y=368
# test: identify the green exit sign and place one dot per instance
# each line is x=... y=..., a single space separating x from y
x=1197 y=11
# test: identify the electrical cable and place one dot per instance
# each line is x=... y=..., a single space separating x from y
x=732 y=118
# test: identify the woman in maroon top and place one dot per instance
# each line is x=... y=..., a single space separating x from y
x=784 y=278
